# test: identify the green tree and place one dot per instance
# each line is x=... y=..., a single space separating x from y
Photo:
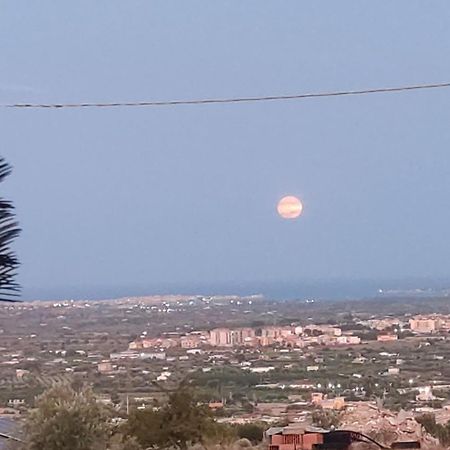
x=120 y=442
x=251 y=431
x=428 y=421
x=186 y=422
x=115 y=398
x=439 y=431
x=180 y=423
x=147 y=427
x=68 y=419
x=326 y=419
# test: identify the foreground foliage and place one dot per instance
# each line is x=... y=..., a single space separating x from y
x=9 y=230
x=70 y=419
x=437 y=430
x=180 y=423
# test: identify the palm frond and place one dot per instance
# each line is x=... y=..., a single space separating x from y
x=9 y=230
x=5 y=169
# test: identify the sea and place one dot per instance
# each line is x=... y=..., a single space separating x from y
x=326 y=289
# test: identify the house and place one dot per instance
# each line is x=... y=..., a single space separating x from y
x=105 y=367
x=292 y=438
x=261 y=369
x=215 y=405
x=387 y=337
x=336 y=403
x=194 y=351
x=319 y=399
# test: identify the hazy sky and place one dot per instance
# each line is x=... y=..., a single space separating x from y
x=186 y=195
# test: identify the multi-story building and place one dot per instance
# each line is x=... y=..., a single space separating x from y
x=385 y=323
x=225 y=337
x=190 y=341
x=349 y=340
x=329 y=330
x=265 y=341
x=146 y=343
x=425 y=324
x=243 y=336
x=221 y=337
x=271 y=332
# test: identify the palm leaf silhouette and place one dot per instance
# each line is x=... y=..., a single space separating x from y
x=9 y=230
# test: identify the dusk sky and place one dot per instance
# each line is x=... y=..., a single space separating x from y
x=144 y=198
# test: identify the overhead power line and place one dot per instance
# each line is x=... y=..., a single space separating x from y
x=208 y=101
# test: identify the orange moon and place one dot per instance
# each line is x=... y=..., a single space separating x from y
x=289 y=207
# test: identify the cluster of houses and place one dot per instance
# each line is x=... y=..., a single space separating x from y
x=284 y=336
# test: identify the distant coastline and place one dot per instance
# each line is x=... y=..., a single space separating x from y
x=277 y=290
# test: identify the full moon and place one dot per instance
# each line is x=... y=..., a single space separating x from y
x=289 y=207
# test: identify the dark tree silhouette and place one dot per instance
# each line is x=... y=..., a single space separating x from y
x=9 y=230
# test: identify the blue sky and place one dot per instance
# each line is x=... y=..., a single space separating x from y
x=141 y=198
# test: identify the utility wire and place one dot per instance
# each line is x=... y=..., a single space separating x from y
x=209 y=101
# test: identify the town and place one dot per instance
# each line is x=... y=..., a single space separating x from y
x=249 y=359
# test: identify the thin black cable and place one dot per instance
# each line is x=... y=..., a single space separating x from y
x=227 y=100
